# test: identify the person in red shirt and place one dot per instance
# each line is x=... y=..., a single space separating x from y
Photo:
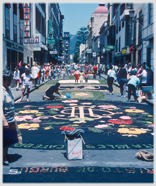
x=95 y=71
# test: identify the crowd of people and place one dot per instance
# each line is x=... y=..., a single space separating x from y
x=135 y=77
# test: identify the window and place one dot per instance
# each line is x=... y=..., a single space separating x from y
x=134 y=31
x=21 y=11
x=40 y=22
x=150 y=13
x=140 y=28
x=116 y=45
x=15 y=21
x=7 y=23
x=119 y=43
x=122 y=24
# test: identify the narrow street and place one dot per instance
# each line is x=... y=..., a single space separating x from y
x=108 y=154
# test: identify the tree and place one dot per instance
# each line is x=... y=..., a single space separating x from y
x=81 y=37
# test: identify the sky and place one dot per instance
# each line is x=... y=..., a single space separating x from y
x=76 y=15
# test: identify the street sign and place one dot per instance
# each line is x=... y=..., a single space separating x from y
x=31 y=40
x=89 y=51
x=110 y=47
x=51 y=41
x=94 y=54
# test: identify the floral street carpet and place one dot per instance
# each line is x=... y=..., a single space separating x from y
x=107 y=125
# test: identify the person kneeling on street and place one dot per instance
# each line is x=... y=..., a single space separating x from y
x=49 y=92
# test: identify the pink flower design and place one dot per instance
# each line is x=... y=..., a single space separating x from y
x=101 y=126
x=125 y=117
x=107 y=106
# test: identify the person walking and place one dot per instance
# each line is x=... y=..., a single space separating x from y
x=26 y=79
x=8 y=113
x=150 y=76
x=123 y=80
x=17 y=77
x=76 y=74
x=99 y=71
x=110 y=79
x=46 y=67
x=143 y=76
x=81 y=78
x=34 y=73
x=42 y=73
x=50 y=91
x=86 y=78
x=63 y=72
x=133 y=83
x=95 y=71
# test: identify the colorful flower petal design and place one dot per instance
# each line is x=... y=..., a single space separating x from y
x=151 y=125
x=120 y=121
x=125 y=117
x=81 y=94
x=36 y=120
x=66 y=128
x=72 y=104
x=86 y=103
x=28 y=111
x=27 y=106
x=27 y=125
x=70 y=101
x=131 y=131
x=54 y=106
x=101 y=126
x=107 y=106
x=134 y=110
x=23 y=118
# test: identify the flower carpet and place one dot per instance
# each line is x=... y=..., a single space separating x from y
x=110 y=126
x=102 y=121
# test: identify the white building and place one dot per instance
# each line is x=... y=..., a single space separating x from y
x=148 y=34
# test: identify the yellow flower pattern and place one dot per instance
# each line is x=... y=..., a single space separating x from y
x=131 y=131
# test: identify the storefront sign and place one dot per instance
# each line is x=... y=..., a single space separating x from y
x=110 y=47
x=89 y=51
x=53 y=52
x=124 y=51
x=51 y=40
x=31 y=40
x=26 y=21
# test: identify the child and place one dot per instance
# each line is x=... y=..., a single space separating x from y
x=81 y=77
x=76 y=74
x=26 y=79
x=16 y=77
x=86 y=77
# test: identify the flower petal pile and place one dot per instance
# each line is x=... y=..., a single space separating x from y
x=107 y=106
x=67 y=128
x=120 y=121
x=54 y=106
x=125 y=117
x=131 y=131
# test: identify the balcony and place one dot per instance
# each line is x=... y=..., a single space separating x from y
x=125 y=15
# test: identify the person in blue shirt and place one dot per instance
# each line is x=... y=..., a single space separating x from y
x=49 y=92
x=133 y=83
x=111 y=76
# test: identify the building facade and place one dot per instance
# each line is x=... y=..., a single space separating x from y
x=31 y=32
